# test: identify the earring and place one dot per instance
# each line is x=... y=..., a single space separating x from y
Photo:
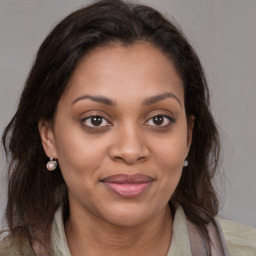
x=185 y=163
x=51 y=165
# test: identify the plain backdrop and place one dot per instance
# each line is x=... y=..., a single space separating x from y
x=223 y=34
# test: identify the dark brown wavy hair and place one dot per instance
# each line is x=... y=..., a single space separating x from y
x=35 y=194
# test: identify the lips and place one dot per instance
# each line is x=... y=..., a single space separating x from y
x=128 y=186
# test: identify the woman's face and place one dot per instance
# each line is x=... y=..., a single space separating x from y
x=120 y=134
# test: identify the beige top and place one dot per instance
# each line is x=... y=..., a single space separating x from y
x=241 y=239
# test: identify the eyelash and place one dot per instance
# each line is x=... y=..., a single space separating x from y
x=84 y=120
x=106 y=123
x=165 y=117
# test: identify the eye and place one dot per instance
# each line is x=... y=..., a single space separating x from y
x=160 y=120
x=95 y=121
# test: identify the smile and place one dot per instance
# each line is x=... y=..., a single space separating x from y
x=128 y=186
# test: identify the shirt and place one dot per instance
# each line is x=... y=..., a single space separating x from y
x=241 y=239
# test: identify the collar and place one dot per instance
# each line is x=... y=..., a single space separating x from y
x=180 y=243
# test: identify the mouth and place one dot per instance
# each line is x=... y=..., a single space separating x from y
x=128 y=186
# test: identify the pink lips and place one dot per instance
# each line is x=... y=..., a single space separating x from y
x=128 y=186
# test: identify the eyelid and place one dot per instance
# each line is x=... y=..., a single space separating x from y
x=170 y=120
x=161 y=112
x=92 y=114
x=95 y=126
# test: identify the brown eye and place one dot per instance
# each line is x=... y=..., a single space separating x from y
x=160 y=120
x=95 y=121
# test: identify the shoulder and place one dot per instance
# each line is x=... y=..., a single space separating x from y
x=241 y=239
x=16 y=246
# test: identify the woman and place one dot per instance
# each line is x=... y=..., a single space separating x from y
x=113 y=147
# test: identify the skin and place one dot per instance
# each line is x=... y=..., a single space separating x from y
x=127 y=141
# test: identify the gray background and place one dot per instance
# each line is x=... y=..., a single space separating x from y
x=223 y=33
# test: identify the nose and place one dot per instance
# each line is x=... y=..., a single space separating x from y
x=129 y=146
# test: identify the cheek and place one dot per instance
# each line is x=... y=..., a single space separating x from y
x=169 y=177
x=79 y=155
x=171 y=151
x=169 y=157
x=171 y=169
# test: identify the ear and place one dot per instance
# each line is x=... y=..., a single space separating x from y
x=47 y=138
x=190 y=126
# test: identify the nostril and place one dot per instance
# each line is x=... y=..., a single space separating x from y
x=129 y=160
x=118 y=158
x=141 y=159
x=129 y=149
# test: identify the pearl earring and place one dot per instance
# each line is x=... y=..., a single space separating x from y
x=185 y=163
x=51 y=165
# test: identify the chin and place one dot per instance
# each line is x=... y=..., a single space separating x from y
x=129 y=216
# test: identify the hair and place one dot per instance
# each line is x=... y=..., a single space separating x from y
x=31 y=189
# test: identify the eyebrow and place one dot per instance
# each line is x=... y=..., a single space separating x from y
x=160 y=97
x=147 y=101
x=99 y=99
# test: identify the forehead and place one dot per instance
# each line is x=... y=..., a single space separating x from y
x=117 y=71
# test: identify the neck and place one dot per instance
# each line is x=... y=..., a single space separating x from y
x=96 y=237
